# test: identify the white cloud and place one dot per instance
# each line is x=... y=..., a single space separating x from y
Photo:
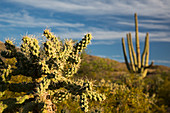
x=158 y=8
x=162 y=61
x=100 y=34
x=119 y=60
x=23 y=19
x=146 y=25
x=116 y=56
x=109 y=42
x=161 y=39
x=103 y=56
x=110 y=35
x=155 y=21
x=97 y=33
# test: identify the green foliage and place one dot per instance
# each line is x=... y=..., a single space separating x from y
x=164 y=92
x=132 y=99
x=11 y=61
x=153 y=83
x=3 y=106
x=48 y=69
x=95 y=68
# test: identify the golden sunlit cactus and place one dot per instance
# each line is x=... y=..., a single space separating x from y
x=50 y=66
x=138 y=63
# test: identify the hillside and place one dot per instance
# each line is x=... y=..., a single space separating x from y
x=93 y=67
x=98 y=68
x=2 y=47
x=115 y=85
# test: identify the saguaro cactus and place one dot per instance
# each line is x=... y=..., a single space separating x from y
x=138 y=64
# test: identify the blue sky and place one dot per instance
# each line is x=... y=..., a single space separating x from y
x=107 y=20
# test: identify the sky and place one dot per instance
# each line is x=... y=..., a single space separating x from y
x=107 y=20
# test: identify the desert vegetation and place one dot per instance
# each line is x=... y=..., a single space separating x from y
x=58 y=76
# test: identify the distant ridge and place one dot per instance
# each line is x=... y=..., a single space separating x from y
x=105 y=67
x=2 y=46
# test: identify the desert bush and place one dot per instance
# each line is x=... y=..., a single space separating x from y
x=164 y=92
x=95 y=69
x=130 y=99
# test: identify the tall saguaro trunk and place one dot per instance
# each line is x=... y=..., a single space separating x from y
x=137 y=42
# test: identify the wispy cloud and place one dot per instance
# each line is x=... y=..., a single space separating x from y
x=97 y=33
x=119 y=60
x=100 y=34
x=23 y=19
x=160 y=36
x=109 y=42
x=114 y=57
x=117 y=56
x=91 y=8
x=103 y=56
x=100 y=7
x=155 y=21
x=146 y=25
x=161 y=39
x=162 y=61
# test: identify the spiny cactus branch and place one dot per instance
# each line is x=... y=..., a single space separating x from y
x=50 y=68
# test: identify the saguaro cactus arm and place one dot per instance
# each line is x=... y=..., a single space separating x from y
x=133 y=52
x=145 y=52
x=130 y=53
x=125 y=54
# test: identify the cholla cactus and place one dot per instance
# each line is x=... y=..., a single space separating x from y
x=84 y=102
x=2 y=107
x=51 y=66
x=11 y=50
x=60 y=96
x=1 y=63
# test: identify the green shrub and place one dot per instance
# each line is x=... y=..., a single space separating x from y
x=164 y=92
x=122 y=98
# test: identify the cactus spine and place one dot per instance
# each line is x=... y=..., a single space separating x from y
x=138 y=63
